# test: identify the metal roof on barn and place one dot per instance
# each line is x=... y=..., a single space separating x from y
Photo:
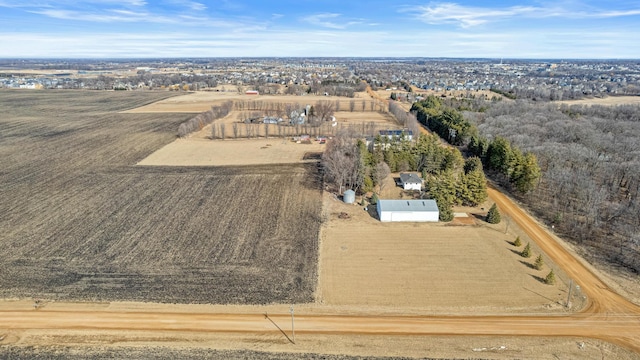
x=408 y=205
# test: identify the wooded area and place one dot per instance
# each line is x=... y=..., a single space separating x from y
x=590 y=170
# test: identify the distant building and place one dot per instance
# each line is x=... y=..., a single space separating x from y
x=408 y=210
x=397 y=134
x=252 y=92
x=410 y=181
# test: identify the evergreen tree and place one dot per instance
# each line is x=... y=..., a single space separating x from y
x=493 y=216
x=445 y=208
x=529 y=174
x=517 y=242
x=374 y=199
x=476 y=187
x=499 y=155
x=539 y=263
x=526 y=253
x=471 y=164
x=550 y=278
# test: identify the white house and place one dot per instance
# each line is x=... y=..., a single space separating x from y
x=408 y=210
x=410 y=181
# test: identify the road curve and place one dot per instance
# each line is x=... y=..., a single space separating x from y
x=608 y=316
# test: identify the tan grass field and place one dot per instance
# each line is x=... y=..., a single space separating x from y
x=435 y=267
x=204 y=152
x=200 y=101
x=607 y=101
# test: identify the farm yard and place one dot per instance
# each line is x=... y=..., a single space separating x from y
x=81 y=222
x=437 y=268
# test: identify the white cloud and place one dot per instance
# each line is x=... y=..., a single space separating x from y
x=545 y=43
x=324 y=20
x=469 y=16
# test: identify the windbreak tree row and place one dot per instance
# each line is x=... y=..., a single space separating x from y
x=203 y=119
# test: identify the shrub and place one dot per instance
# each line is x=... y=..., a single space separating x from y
x=550 y=279
x=493 y=216
x=527 y=251
x=374 y=199
x=539 y=263
x=517 y=242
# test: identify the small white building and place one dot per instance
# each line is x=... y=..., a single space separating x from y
x=408 y=210
x=410 y=181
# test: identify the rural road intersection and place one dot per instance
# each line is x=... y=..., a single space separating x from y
x=607 y=316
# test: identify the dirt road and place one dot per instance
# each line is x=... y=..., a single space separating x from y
x=608 y=316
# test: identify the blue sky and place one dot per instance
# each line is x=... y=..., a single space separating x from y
x=246 y=28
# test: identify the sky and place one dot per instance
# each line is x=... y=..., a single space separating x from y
x=562 y=29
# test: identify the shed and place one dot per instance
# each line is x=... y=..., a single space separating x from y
x=408 y=210
x=411 y=181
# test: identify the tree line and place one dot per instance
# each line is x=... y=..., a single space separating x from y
x=518 y=169
x=203 y=119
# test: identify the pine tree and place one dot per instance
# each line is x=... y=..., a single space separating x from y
x=445 y=209
x=539 y=263
x=493 y=216
x=527 y=251
x=476 y=185
x=550 y=279
x=517 y=242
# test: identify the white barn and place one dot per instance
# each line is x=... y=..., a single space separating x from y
x=411 y=181
x=408 y=210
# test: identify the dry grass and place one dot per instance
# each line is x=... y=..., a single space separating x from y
x=439 y=268
x=204 y=152
x=80 y=222
x=203 y=100
x=606 y=101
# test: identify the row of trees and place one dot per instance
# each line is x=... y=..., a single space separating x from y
x=201 y=120
x=444 y=121
x=405 y=119
x=520 y=170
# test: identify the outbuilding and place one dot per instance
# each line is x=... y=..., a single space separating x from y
x=410 y=181
x=408 y=210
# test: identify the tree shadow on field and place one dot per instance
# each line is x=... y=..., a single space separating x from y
x=512 y=243
x=517 y=252
x=542 y=280
x=266 y=316
x=530 y=266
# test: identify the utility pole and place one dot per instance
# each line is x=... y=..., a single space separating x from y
x=293 y=330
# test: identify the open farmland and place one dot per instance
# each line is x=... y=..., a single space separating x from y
x=203 y=100
x=81 y=222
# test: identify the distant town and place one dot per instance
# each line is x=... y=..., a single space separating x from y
x=542 y=80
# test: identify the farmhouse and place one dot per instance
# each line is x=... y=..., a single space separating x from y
x=410 y=181
x=408 y=210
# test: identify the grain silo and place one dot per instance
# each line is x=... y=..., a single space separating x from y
x=349 y=196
